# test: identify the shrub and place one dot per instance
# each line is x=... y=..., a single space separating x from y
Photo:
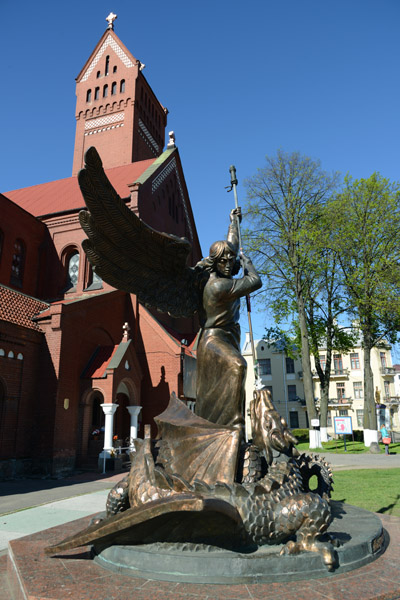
x=358 y=435
x=301 y=435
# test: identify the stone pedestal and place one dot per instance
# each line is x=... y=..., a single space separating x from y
x=73 y=574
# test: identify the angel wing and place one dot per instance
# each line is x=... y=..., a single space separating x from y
x=130 y=255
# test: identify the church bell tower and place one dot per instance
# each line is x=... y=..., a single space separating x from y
x=116 y=109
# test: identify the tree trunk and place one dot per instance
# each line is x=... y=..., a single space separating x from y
x=307 y=373
x=369 y=420
x=323 y=410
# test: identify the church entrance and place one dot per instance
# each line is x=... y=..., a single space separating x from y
x=92 y=429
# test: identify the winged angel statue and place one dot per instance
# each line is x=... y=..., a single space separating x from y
x=200 y=480
x=131 y=256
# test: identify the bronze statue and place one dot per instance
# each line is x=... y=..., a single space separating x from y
x=221 y=369
x=199 y=482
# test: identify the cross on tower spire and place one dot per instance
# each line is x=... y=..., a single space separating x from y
x=111 y=18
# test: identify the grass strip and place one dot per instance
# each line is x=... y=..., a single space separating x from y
x=377 y=490
x=337 y=446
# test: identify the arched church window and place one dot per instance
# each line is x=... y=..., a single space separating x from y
x=106 y=70
x=115 y=69
x=72 y=269
x=95 y=282
x=122 y=86
x=89 y=96
x=98 y=74
x=18 y=263
x=114 y=88
x=105 y=91
x=96 y=93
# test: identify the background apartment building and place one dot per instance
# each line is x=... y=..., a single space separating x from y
x=346 y=389
x=283 y=376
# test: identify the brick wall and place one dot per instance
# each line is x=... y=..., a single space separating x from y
x=20 y=396
x=17 y=224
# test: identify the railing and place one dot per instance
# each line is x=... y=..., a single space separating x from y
x=335 y=401
x=341 y=401
x=334 y=373
x=388 y=371
x=115 y=452
x=389 y=399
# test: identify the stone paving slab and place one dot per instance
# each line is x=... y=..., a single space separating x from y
x=24 y=522
x=18 y=494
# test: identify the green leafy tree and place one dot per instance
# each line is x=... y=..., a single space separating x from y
x=365 y=220
x=285 y=199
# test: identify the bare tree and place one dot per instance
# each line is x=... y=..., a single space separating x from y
x=286 y=199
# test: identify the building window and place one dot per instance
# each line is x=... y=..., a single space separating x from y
x=115 y=69
x=340 y=391
x=122 y=86
x=89 y=96
x=338 y=364
x=96 y=93
x=264 y=366
x=354 y=360
x=113 y=88
x=343 y=413
x=105 y=91
x=292 y=393
x=360 y=417
x=289 y=365
x=107 y=67
x=383 y=359
x=358 y=389
x=95 y=282
x=294 y=419
x=73 y=269
x=18 y=263
x=322 y=360
x=98 y=74
x=387 y=389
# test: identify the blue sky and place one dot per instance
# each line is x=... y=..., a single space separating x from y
x=240 y=79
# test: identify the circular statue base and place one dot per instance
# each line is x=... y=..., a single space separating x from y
x=359 y=532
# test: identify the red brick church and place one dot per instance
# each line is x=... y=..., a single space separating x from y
x=76 y=355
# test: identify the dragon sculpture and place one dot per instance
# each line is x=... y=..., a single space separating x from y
x=199 y=482
x=267 y=501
